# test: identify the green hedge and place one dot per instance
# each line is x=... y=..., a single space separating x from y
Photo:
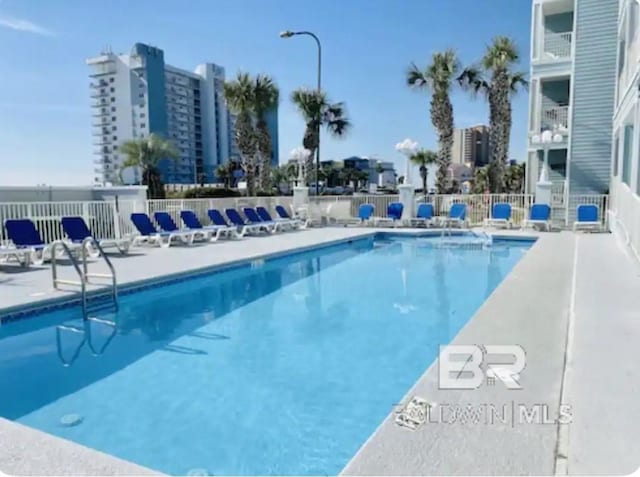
x=209 y=193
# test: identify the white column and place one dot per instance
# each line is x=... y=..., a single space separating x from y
x=407 y=198
x=300 y=198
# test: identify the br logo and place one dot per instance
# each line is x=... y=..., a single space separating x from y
x=461 y=366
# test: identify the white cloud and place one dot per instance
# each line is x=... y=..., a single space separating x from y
x=27 y=26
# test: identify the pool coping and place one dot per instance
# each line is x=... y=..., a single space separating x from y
x=15 y=312
x=25 y=447
x=42 y=305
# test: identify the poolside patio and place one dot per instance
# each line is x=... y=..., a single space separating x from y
x=581 y=283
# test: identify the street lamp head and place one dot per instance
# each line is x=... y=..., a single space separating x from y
x=557 y=138
x=286 y=34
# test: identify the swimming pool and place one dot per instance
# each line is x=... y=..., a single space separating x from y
x=277 y=367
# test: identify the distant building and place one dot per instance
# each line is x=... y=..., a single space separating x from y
x=471 y=146
x=457 y=175
x=138 y=94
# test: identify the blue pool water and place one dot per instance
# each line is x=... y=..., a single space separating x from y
x=284 y=368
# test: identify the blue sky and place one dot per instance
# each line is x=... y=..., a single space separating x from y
x=45 y=132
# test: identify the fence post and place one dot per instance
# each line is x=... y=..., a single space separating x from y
x=116 y=220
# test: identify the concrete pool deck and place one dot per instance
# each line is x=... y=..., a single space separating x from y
x=534 y=306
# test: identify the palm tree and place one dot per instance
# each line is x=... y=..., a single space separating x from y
x=514 y=178
x=423 y=159
x=240 y=97
x=317 y=111
x=225 y=172
x=480 y=180
x=146 y=153
x=496 y=80
x=437 y=79
x=266 y=96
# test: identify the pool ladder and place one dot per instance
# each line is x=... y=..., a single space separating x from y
x=82 y=271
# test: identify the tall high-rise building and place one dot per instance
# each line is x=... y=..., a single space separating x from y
x=471 y=146
x=138 y=94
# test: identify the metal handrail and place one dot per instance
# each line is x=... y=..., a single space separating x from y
x=87 y=275
x=74 y=262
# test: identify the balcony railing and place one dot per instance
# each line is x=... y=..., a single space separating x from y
x=555 y=118
x=557 y=45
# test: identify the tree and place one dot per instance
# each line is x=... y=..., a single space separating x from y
x=225 y=172
x=480 y=180
x=514 y=178
x=495 y=79
x=423 y=159
x=437 y=79
x=266 y=96
x=317 y=111
x=146 y=153
x=240 y=97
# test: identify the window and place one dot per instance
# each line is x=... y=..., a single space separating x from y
x=143 y=125
x=141 y=95
x=626 y=154
x=113 y=118
x=112 y=90
x=113 y=128
x=142 y=115
x=113 y=108
x=115 y=138
x=111 y=80
x=113 y=100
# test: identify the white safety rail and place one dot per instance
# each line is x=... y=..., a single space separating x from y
x=201 y=206
x=111 y=219
x=479 y=206
x=100 y=216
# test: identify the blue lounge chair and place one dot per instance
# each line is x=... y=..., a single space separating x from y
x=365 y=214
x=218 y=219
x=254 y=218
x=587 y=218
x=76 y=229
x=243 y=228
x=149 y=234
x=394 y=215
x=539 y=216
x=167 y=224
x=457 y=216
x=424 y=216
x=500 y=215
x=286 y=223
x=25 y=236
x=215 y=231
x=283 y=214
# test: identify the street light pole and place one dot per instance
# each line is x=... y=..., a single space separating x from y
x=289 y=34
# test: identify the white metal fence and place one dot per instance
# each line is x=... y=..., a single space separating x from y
x=111 y=219
x=558 y=45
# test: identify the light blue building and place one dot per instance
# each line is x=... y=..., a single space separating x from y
x=572 y=93
x=139 y=94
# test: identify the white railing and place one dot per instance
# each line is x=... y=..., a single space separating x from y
x=103 y=218
x=110 y=219
x=557 y=45
x=479 y=206
x=555 y=118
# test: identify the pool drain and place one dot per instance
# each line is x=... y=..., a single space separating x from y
x=70 y=420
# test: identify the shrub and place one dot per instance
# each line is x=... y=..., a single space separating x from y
x=210 y=193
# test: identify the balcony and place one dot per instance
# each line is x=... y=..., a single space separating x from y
x=554 y=118
x=557 y=46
